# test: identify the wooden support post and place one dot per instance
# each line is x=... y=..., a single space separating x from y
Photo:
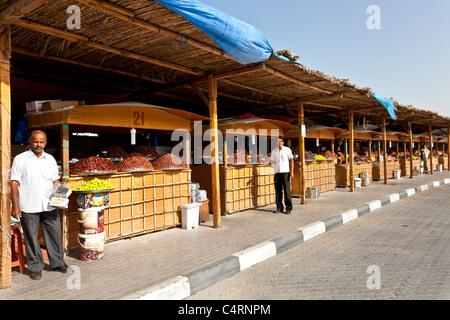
x=346 y=150
x=410 y=150
x=5 y=156
x=431 y=148
x=212 y=98
x=64 y=134
x=225 y=151
x=351 y=149
x=64 y=142
x=379 y=150
x=301 y=155
x=404 y=149
x=448 y=149
x=385 y=152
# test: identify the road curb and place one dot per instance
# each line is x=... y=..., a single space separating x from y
x=188 y=284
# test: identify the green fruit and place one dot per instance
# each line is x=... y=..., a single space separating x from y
x=94 y=184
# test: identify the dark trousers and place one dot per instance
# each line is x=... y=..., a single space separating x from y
x=283 y=183
x=425 y=165
x=51 y=230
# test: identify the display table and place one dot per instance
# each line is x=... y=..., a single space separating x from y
x=343 y=172
x=242 y=187
x=444 y=162
x=378 y=169
x=318 y=173
x=140 y=203
x=405 y=166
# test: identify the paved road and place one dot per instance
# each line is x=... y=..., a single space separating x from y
x=401 y=251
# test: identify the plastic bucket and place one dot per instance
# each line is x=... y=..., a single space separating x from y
x=397 y=174
x=87 y=200
x=91 y=220
x=190 y=215
x=92 y=246
x=357 y=182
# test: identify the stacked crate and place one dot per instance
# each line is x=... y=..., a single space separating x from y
x=139 y=204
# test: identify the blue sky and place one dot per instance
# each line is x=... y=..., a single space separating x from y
x=408 y=59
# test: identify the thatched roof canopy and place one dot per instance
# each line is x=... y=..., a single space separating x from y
x=158 y=57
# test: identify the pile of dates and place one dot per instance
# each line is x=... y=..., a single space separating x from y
x=146 y=151
x=93 y=164
x=135 y=162
x=117 y=152
x=309 y=156
x=168 y=161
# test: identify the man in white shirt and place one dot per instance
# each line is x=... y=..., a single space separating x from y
x=33 y=174
x=425 y=155
x=283 y=163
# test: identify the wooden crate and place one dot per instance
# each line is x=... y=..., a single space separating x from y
x=319 y=173
x=241 y=187
x=436 y=160
x=444 y=162
x=378 y=169
x=139 y=204
x=405 y=166
x=343 y=172
x=246 y=187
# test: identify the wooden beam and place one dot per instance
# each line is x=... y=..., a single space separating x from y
x=18 y=9
x=448 y=148
x=204 y=78
x=411 y=172
x=241 y=85
x=344 y=110
x=289 y=110
x=294 y=80
x=301 y=156
x=72 y=80
x=64 y=137
x=70 y=36
x=86 y=65
x=5 y=156
x=351 y=149
x=322 y=97
x=230 y=96
x=200 y=94
x=129 y=16
x=212 y=96
x=383 y=127
x=430 y=134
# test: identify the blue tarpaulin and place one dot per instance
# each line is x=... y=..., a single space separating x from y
x=241 y=41
x=388 y=104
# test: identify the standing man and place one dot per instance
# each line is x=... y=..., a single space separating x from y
x=283 y=162
x=425 y=154
x=32 y=177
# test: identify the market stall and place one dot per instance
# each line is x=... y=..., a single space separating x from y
x=320 y=167
x=443 y=153
x=362 y=162
x=393 y=167
x=246 y=176
x=144 y=198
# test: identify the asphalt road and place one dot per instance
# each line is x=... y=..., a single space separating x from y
x=400 y=251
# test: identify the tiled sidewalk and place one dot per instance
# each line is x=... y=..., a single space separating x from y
x=133 y=265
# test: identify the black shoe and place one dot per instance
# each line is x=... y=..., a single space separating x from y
x=278 y=210
x=288 y=212
x=62 y=269
x=36 y=275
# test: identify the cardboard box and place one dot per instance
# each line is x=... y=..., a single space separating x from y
x=47 y=106
x=36 y=106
